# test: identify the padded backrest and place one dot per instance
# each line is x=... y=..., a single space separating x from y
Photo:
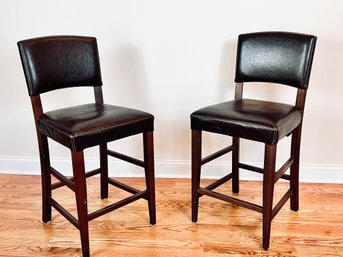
x=277 y=57
x=56 y=62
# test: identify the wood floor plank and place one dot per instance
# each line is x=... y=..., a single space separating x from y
x=222 y=229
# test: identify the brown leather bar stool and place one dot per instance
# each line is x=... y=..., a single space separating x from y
x=270 y=57
x=57 y=62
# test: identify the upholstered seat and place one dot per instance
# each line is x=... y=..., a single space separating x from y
x=83 y=126
x=262 y=121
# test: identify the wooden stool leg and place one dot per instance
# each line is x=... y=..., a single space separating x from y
x=235 y=168
x=148 y=142
x=45 y=177
x=268 y=192
x=104 y=171
x=294 y=171
x=196 y=170
x=81 y=199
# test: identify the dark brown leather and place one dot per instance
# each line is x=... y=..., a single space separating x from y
x=262 y=121
x=88 y=125
x=58 y=62
x=278 y=57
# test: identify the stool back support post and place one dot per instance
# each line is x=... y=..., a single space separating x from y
x=235 y=143
x=99 y=99
x=295 y=153
x=44 y=156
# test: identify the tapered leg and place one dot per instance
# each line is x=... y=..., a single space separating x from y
x=294 y=171
x=45 y=177
x=104 y=171
x=235 y=168
x=148 y=141
x=196 y=170
x=81 y=199
x=268 y=192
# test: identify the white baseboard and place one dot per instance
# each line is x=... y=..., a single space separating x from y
x=168 y=169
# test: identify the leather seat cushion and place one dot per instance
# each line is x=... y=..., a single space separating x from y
x=262 y=121
x=83 y=126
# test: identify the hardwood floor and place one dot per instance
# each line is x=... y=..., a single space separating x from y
x=222 y=230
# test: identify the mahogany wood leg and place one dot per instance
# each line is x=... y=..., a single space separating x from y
x=104 y=171
x=268 y=192
x=294 y=171
x=148 y=142
x=196 y=170
x=45 y=177
x=81 y=199
x=235 y=168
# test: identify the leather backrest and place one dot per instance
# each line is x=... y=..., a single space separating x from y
x=56 y=62
x=277 y=57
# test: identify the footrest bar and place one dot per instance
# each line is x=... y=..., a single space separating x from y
x=219 y=182
x=123 y=186
x=281 y=203
x=217 y=154
x=61 y=178
x=126 y=158
x=250 y=167
x=281 y=172
x=64 y=181
x=230 y=199
x=117 y=205
x=65 y=213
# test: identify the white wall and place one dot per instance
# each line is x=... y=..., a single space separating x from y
x=170 y=58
